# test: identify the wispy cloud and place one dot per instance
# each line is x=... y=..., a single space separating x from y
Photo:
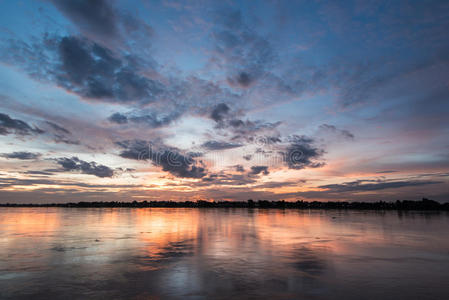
x=23 y=155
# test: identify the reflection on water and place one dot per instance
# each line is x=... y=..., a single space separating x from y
x=50 y=253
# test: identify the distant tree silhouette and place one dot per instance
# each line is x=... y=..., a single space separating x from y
x=424 y=204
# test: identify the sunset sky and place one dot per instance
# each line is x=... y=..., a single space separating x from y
x=226 y=100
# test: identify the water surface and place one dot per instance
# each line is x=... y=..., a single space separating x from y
x=157 y=253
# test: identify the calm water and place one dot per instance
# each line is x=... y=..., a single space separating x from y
x=51 y=253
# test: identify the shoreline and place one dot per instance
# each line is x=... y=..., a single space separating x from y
x=424 y=204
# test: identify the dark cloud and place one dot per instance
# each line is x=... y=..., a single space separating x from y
x=91 y=168
x=58 y=127
x=59 y=138
x=265 y=153
x=243 y=79
x=86 y=68
x=386 y=171
x=61 y=134
x=76 y=59
x=263 y=140
x=178 y=164
x=219 y=112
x=21 y=155
x=154 y=120
x=244 y=130
x=239 y=168
x=194 y=154
x=302 y=154
x=126 y=169
x=247 y=157
x=236 y=123
x=118 y=118
x=170 y=159
x=372 y=185
x=133 y=86
x=256 y=170
x=9 y=125
x=248 y=129
x=93 y=71
x=134 y=149
x=100 y=20
x=223 y=179
x=216 y=145
x=334 y=130
x=97 y=16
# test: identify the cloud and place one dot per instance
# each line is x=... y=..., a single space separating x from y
x=93 y=71
x=169 y=158
x=21 y=155
x=9 y=125
x=90 y=168
x=219 y=112
x=279 y=184
x=302 y=154
x=63 y=139
x=243 y=79
x=96 y=17
x=34 y=172
x=223 y=179
x=178 y=164
x=216 y=145
x=249 y=129
x=58 y=127
x=13 y=181
x=372 y=185
x=334 y=130
x=256 y=170
x=244 y=130
x=153 y=120
x=87 y=68
x=102 y=73
x=239 y=168
x=60 y=134
x=134 y=149
x=118 y=118
x=101 y=21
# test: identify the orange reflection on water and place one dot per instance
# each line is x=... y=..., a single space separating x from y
x=21 y=221
x=157 y=252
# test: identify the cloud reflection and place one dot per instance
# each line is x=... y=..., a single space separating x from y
x=212 y=253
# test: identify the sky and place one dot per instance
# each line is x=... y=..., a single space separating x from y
x=226 y=100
